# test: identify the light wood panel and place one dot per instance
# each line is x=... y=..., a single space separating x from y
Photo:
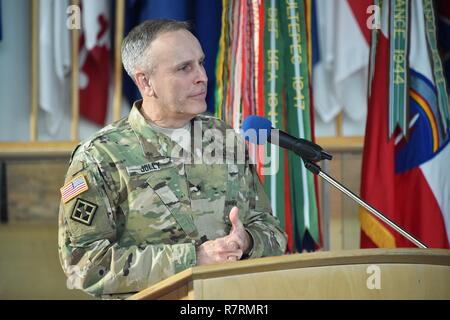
x=341 y=144
x=407 y=273
x=351 y=163
x=398 y=281
x=36 y=150
x=33 y=189
x=64 y=148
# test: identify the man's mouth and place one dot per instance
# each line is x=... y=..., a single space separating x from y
x=201 y=94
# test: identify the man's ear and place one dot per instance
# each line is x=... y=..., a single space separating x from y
x=144 y=84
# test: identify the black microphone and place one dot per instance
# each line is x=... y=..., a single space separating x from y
x=259 y=130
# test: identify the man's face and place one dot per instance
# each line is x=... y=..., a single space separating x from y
x=179 y=78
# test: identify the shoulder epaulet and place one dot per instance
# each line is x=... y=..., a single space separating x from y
x=86 y=143
x=82 y=145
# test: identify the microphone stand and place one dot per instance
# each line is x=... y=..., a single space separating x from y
x=315 y=169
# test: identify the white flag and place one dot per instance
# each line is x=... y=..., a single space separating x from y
x=54 y=62
x=340 y=76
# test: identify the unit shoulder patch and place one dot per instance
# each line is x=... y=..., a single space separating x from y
x=83 y=212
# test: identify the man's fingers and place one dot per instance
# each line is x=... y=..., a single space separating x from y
x=232 y=256
x=228 y=243
x=219 y=250
x=233 y=245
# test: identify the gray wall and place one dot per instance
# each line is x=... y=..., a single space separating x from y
x=15 y=69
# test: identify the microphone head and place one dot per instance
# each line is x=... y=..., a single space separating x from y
x=256 y=129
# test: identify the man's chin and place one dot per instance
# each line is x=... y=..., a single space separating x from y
x=193 y=109
x=199 y=107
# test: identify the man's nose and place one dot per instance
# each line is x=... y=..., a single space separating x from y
x=201 y=75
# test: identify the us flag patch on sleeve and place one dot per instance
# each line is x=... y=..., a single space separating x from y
x=73 y=188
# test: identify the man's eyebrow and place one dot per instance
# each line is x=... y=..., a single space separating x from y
x=186 y=62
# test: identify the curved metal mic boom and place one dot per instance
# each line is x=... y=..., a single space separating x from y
x=310 y=153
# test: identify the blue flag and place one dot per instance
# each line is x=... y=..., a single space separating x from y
x=444 y=36
x=205 y=17
x=1 y=36
x=314 y=35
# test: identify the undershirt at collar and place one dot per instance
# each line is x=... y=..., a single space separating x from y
x=181 y=136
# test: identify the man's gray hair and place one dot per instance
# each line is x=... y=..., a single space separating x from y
x=138 y=40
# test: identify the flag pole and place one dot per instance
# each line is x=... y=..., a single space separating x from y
x=120 y=16
x=339 y=124
x=75 y=99
x=315 y=169
x=34 y=69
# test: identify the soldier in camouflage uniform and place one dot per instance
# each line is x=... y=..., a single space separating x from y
x=142 y=202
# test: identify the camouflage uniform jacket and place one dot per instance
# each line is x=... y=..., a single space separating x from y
x=147 y=206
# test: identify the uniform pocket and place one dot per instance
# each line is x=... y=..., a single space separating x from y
x=170 y=185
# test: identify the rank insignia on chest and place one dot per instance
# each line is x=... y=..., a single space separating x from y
x=84 y=212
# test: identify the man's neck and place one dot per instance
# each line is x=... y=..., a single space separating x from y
x=162 y=119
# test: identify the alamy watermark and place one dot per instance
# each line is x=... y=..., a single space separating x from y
x=73 y=20
x=74 y=17
x=374 y=279
x=374 y=20
x=214 y=146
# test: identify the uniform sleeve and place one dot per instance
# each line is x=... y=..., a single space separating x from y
x=91 y=252
x=268 y=237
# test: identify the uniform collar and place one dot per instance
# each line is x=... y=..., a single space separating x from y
x=156 y=144
x=152 y=142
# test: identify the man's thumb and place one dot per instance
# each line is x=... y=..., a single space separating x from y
x=234 y=218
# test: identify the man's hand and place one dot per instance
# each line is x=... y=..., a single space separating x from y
x=228 y=248
x=238 y=233
x=218 y=251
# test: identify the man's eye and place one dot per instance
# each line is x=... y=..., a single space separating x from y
x=184 y=68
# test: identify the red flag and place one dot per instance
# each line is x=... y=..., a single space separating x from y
x=406 y=179
x=94 y=60
x=377 y=179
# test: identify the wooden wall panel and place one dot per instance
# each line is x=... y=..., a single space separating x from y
x=33 y=189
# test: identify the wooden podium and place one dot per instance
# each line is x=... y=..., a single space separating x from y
x=356 y=274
